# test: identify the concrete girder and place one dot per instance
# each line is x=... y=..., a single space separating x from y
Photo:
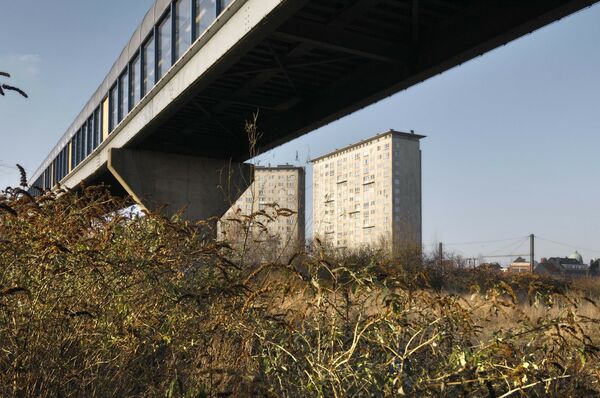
x=203 y=188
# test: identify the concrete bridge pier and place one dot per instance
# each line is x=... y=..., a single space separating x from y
x=203 y=187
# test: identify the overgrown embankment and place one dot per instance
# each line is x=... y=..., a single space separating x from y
x=94 y=302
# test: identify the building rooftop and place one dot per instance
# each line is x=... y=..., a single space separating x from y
x=279 y=167
x=520 y=260
x=401 y=134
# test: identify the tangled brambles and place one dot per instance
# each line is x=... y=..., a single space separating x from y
x=98 y=302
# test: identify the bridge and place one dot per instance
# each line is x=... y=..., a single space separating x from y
x=166 y=125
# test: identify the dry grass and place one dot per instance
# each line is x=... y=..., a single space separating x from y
x=96 y=303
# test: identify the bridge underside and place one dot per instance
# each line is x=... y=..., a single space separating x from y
x=307 y=63
x=330 y=59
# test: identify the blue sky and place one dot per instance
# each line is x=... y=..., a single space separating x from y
x=512 y=147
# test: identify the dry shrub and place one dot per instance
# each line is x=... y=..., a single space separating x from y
x=94 y=302
x=355 y=335
x=97 y=302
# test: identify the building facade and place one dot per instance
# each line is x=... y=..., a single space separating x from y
x=570 y=267
x=520 y=265
x=268 y=218
x=369 y=193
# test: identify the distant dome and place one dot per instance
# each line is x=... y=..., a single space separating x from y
x=576 y=256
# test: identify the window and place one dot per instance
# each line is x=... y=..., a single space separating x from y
x=76 y=141
x=54 y=170
x=65 y=161
x=164 y=46
x=123 y=95
x=223 y=4
x=114 y=106
x=83 y=146
x=135 y=87
x=73 y=151
x=205 y=14
x=57 y=167
x=90 y=135
x=79 y=143
x=61 y=168
x=97 y=127
x=183 y=26
x=148 y=55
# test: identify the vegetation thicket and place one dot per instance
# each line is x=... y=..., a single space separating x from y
x=98 y=302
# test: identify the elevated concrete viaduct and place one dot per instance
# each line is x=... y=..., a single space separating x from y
x=300 y=63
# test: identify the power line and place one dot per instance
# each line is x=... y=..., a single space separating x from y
x=504 y=255
x=512 y=246
x=568 y=245
x=478 y=242
x=8 y=167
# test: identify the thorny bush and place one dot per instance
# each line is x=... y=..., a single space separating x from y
x=98 y=302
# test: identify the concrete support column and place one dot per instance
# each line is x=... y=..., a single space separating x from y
x=203 y=187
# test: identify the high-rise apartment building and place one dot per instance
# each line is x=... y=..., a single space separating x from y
x=273 y=231
x=369 y=193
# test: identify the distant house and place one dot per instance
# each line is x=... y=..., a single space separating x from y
x=569 y=267
x=595 y=267
x=518 y=266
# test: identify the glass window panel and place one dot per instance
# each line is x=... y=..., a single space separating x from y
x=164 y=46
x=90 y=135
x=73 y=150
x=114 y=106
x=148 y=67
x=77 y=147
x=123 y=96
x=64 y=163
x=97 y=127
x=135 y=79
x=224 y=4
x=183 y=26
x=83 y=142
x=80 y=147
x=77 y=143
x=206 y=12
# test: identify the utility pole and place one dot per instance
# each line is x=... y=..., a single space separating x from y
x=441 y=253
x=531 y=251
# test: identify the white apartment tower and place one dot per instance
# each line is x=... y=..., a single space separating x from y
x=369 y=193
x=279 y=233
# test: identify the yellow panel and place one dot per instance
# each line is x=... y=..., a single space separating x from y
x=105 y=111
